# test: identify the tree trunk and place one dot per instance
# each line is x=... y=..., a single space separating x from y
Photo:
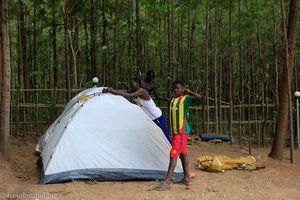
x=276 y=58
x=170 y=41
x=54 y=59
x=179 y=44
x=34 y=51
x=22 y=58
x=284 y=93
x=115 y=43
x=73 y=54
x=191 y=48
x=67 y=50
x=230 y=81
x=138 y=34
x=262 y=86
x=93 y=38
x=1 y=68
x=206 y=113
x=1 y=63
x=21 y=47
x=5 y=83
x=241 y=78
x=215 y=49
x=86 y=59
x=104 y=44
x=54 y=46
x=129 y=47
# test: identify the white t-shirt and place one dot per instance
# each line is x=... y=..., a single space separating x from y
x=150 y=108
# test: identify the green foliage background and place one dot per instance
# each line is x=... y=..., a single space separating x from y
x=186 y=22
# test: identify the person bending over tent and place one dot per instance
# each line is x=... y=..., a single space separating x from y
x=145 y=101
x=180 y=127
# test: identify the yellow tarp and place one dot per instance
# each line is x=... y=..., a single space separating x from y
x=219 y=163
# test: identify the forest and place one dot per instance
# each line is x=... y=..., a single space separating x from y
x=232 y=52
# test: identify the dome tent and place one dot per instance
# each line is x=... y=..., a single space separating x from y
x=103 y=137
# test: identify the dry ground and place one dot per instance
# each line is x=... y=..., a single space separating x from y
x=279 y=180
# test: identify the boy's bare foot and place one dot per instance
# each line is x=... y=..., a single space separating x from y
x=162 y=186
x=185 y=182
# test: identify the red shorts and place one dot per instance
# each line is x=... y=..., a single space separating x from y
x=178 y=144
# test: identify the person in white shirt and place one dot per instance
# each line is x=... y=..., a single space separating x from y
x=145 y=101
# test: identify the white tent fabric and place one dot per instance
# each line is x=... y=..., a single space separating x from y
x=103 y=137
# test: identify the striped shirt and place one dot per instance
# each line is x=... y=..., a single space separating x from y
x=179 y=114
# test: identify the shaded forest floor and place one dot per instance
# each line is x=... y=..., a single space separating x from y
x=279 y=180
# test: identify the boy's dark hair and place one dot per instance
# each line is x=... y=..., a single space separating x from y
x=178 y=82
x=150 y=73
x=136 y=79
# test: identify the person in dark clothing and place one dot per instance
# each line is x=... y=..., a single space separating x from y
x=149 y=85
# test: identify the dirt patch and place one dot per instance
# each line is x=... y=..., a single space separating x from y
x=279 y=180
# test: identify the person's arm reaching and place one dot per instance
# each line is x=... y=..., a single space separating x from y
x=107 y=90
x=197 y=97
x=158 y=97
x=139 y=93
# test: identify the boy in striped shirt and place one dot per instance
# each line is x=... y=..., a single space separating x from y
x=181 y=128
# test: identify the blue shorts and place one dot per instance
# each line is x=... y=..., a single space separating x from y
x=160 y=121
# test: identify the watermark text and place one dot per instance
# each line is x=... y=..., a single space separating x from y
x=27 y=195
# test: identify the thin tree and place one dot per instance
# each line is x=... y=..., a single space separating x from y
x=5 y=82
x=138 y=34
x=1 y=67
x=215 y=68
x=34 y=50
x=23 y=80
x=170 y=27
x=230 y=75
x=262 y=83
x=54 y=57
x=206 y=112
x=104 y=43
x=289 y=32
x=115 y=42
x=67 y=50
x=93 y=33
x=275 y=56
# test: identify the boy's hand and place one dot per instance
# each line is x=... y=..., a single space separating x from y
x=187 y=91
x=106 y=90
x=197 y=96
